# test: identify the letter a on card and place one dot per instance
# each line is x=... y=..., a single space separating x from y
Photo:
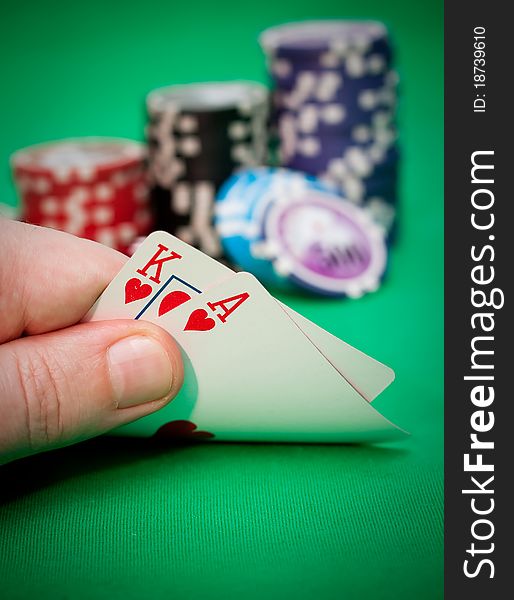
x=228 y=305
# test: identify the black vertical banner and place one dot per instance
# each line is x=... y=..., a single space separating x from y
x=479 y=258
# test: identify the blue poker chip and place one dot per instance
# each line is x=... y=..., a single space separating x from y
x=292 y=230
x=236 y=224
x=241 y=208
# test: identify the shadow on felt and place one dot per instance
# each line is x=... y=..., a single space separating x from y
x=106 y=453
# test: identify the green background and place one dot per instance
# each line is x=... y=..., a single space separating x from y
x=117 y=518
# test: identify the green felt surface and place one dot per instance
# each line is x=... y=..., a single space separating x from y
x=117 y=518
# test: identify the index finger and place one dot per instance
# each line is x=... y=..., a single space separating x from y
x=49 y=279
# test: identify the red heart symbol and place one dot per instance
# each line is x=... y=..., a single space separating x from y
x=172 y=300
x=134 y=290
x=180 y=427
x=182 y=430
x=199 y=320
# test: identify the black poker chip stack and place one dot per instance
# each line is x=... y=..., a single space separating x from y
x=333 y=113
x=198 y=134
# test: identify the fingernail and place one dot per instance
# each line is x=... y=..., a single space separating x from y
x=140 y=371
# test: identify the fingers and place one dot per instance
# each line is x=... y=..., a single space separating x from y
x=61 y=387
x=49 y=279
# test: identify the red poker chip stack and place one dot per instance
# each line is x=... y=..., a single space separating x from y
x=95 y=188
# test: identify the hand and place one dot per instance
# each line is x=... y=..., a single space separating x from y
x=61 y=382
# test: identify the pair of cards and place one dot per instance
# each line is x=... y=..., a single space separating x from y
x=255 y=370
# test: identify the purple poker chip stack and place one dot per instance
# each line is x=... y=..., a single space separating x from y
x=334 y=102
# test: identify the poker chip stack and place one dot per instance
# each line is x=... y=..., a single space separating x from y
x=198 y=134
x=334 y=108
x=291 y=230
x=95 y=188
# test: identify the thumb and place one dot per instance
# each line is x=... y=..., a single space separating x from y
x=75 y=383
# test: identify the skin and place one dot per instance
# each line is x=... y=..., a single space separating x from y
x=56 y=380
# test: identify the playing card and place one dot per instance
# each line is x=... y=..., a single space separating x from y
x=166 y=272
x=367 y=375
x=167 y=280
x=163 y=272
x=253 y=375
